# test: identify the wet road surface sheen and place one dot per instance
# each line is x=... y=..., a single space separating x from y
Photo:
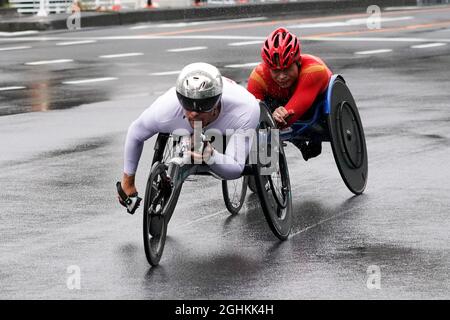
x=59 y=207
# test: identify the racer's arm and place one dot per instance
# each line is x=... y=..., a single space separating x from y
x=230 y=165
x=139 y=131
x=256 y=85
x=312 y=81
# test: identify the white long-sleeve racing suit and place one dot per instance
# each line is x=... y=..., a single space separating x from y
x=239 y=114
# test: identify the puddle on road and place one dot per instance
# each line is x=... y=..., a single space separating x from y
x=52 y=94
x=45 y=97
x=45 y=89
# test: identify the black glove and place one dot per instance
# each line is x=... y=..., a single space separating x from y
x=130 y=202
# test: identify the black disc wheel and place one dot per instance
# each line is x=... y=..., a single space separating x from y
x=156 y=210
x=272 y=179
x=234 y=192
x=347 y=138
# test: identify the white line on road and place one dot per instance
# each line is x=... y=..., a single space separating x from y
x=197 y=23
x=371 y=39
x=37 y=63
x=18 y=33
x=245 y=43
x=121 y=55
x=415 y=8
x=11 y=88
x=428 y=45
x=14 y=48
x=243 y=65
x=374 y=51
x=70 y=43
x=89 y=80
x=187 y=49
x=166 y=73
x=351 y=22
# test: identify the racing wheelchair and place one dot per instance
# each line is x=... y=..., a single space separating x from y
x=335 y=119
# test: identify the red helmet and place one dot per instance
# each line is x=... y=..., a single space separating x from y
x=281 y=49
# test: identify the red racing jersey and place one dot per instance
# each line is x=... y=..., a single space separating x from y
x=313 y=80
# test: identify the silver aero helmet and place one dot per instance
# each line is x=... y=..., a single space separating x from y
x=199 y=87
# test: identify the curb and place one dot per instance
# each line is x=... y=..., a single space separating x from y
x=95 y=19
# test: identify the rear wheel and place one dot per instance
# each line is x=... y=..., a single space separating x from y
x=157 y=212
x=164 y=147
x=347 y=138
x=252 y=184
x=164 y=151
x=272 y=180
x=157 y=207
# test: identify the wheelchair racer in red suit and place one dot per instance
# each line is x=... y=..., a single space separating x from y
x=289 y=82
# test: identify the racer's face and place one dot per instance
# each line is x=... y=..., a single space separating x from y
x=285 y=78
x=205 y=117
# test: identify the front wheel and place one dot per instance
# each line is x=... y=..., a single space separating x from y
x=234 y=192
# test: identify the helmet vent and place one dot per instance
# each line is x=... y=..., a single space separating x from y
x=276 y=42
x=276 y=59
x=286 y=51
x=289 y=38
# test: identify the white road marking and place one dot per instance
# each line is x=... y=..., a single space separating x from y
x=367 y=39
x=70 y=43
x=187 y=49
x=18 y=33
x=428 y=45
x=14 y=48
x=12 y=88
x=37 y=63
x=196 y=23
x=351 y=22
x=374 y=51
x=121 y=55
x=166 y=73
x=83 y=81
x=411 y=8
x=244 y=65
x=215 y=37
x=245 y=43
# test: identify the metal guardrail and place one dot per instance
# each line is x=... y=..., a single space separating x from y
x=61 y=6
x=32 y=6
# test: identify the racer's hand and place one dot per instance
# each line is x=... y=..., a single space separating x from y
x=280 y=115
x=128 y=187
x=128 y=184
x=198 y=157
x=129 y=200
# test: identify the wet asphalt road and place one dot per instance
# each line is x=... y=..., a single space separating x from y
x=59 y=165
